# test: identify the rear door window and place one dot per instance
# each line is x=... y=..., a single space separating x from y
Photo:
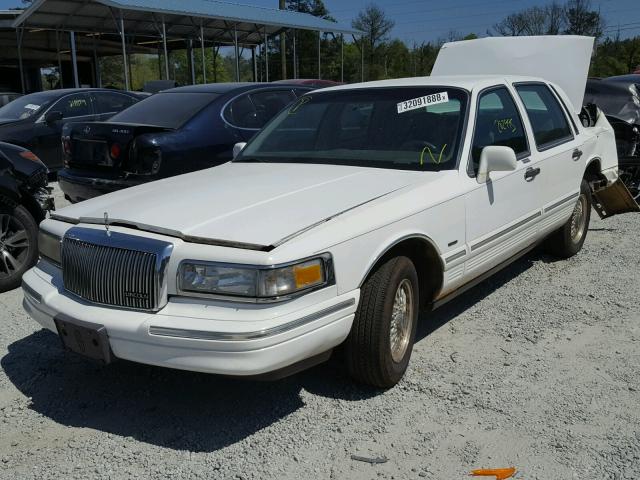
x=548 y=121
x=269 y=103
x=109 y=102
x=76 y=105
x=498 y=122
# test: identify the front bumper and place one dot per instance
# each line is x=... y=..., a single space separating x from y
x=78 y=186
x=211 y=337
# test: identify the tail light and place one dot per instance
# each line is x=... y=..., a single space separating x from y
x=66 y=145
x=115 y=151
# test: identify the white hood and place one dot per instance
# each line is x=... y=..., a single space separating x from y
x=257 y=205
x=560 y=59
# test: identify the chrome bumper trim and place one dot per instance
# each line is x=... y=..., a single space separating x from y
x=31 y=293
x=224 y=336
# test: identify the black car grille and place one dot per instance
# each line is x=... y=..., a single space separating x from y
x=109 y=275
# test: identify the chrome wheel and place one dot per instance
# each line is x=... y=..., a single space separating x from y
x=579 y=219
x=14 y=245
x=401 y=319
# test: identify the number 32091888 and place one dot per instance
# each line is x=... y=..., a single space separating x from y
x=414 y=103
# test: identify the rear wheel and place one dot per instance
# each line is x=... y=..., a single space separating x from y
x=568 y=240
x=18 y=245
x=379 y=346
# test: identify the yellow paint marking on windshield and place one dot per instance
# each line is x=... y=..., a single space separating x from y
x=433 y=159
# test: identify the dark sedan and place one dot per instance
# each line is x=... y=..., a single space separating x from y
x=24 y=201
x=35 y=121
x=172 y=132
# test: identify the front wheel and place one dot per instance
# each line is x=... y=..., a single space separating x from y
x=379 y=346
x=568 y=240
x=18 y=245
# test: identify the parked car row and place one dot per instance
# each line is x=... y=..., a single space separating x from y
x=35 y=121
x=354 y=208
x=173 y=132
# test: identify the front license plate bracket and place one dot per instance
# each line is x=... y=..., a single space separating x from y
x=85 y=338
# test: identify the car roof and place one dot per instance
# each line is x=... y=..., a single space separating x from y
x=467 y=82
x=222 y=88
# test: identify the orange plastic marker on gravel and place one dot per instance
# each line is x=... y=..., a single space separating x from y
x=499 y=473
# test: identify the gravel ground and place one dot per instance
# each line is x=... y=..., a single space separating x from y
x=538 y=367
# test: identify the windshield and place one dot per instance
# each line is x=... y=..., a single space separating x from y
x=401 y=128
x=169 y=110
x=25 y=107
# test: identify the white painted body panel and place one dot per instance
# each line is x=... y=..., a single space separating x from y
x=355 y=214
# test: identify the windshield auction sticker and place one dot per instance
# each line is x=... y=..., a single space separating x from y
x=425 y=101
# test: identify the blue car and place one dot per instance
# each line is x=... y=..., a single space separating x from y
x=173 y=132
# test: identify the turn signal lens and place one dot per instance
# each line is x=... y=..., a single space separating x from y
x=29 y=156
x=115 y=151
x=308 y=274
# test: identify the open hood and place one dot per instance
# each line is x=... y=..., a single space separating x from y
x=560 y=59
x=256 y=206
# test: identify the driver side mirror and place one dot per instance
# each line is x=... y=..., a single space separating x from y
x=53 y=116
x=495 y=158
x=237 y=148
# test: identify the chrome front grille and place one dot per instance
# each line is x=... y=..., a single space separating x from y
x=115 y=269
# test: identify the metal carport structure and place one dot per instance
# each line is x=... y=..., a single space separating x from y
x=143 y=22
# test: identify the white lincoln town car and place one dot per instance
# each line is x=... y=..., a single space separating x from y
x=353 y=210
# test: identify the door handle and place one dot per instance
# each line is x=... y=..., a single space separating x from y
x=576 y=154
x=531 y=173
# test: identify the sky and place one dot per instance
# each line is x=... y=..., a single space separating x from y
x=424 y=20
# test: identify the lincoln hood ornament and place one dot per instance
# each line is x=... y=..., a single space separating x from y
x=106 y=223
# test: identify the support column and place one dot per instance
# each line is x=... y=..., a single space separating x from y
x=204 y=58
x=127 y=85
x=166 y=54
x=319 y=60
x=342 y=57
x=235 y=47
x=254 y=61
x=19 y=35
x=59 y=58
x=192 y=64
x=362 y=58
x=295 y=55
x=266 y=53
x=96 y=63
x=74 y=59
x=215 y=62
x=283 y=46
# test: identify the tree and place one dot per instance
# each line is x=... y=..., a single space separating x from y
x=581 y=20
x=547 y=20
x=373 y=22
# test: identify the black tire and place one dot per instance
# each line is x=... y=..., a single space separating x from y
x=16 y=256
x=568 y=240
x=368 y=349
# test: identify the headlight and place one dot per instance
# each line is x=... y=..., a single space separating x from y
x=255 y=282
x=50 y=246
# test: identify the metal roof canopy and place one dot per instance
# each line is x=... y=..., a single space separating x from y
x=182 y=19
x=204 y=20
